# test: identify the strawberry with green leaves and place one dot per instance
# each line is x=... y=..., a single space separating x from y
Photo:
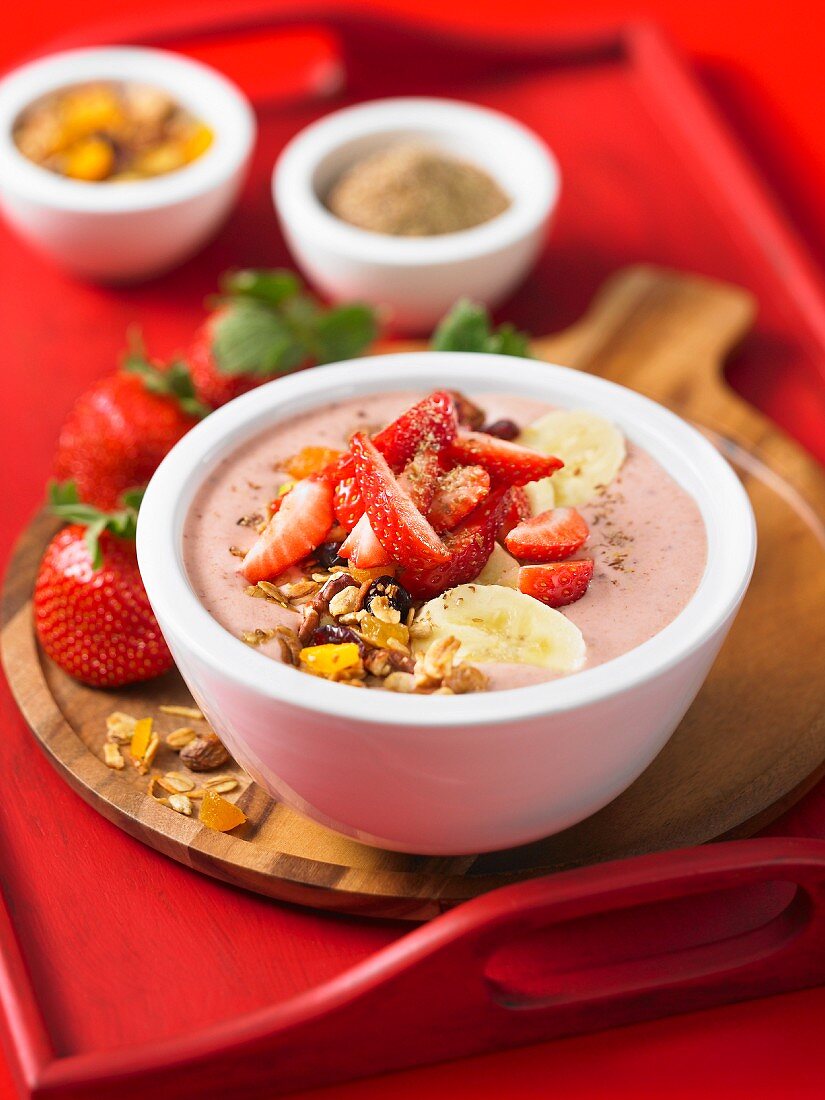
x=266 y=324
x=120 y=430
x=91 y=611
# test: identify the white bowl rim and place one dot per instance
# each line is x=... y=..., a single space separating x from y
x=209 y=94
x=726 y=510
x=298 y=204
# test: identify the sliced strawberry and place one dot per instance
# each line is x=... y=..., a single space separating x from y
x=459 y=491
x=516 y=512
x=557 y=583
x=362 y=548
x=431 y=425
x=420 y=479
x=469 y=546
x=300 y=525
x=404 y=533
x=549 y=536
x=347 y=502
x=507 y=463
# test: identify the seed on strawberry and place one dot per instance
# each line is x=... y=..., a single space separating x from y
x=517 y=510
x=556 y=583
x=549 y=536
x=459 y=491
x=299 y=526
x=469 y=547
x=91 y=611
x=507 y=463
x=401 y=529
x=430 y=425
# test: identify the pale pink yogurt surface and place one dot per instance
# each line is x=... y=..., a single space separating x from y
x=647 y=537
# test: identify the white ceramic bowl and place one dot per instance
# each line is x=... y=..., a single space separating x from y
x=438 y=774
x=416 y=279
x=116 y=232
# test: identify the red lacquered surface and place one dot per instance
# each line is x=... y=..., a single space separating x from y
x=263 y=953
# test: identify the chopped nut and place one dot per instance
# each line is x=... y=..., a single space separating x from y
x=290 y=645
x=400 y=681
x=178 y=738
x=377 y=662
x=204 y=753
x=465 y=678
x=120 y=727
x=344 y=602
x=257 y=636
x=252 y=520
x=176 y=783
x=436 y=663
x=112 y=757
x=383 y=610
x=220 y=784
x=309 y=624
x=181 y=712
x=298 y=589
x=237 y=552
x=181 y=804
x=420 y=627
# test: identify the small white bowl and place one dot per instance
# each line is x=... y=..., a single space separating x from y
x=116 y=232
x=440 y=774
x=416 y=279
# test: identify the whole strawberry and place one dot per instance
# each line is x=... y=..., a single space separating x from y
x=119 y=431
x=266 y=324
x=91 y=611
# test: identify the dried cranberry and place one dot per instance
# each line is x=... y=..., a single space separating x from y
x=397 y=595
x=338 y=635
x=327 y=554
x=502 y=429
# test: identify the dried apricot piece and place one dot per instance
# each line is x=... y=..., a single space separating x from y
x=219 y=813
x=91 y=159
x=381 y=634
x=330 y=658
x=310 y=460
x=141 y=738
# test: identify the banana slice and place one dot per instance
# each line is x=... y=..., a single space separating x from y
x=494 y=623
x=541 y=494
x=591 y=448
x=501 y=568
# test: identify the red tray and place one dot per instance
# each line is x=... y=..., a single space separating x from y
x=123 y=973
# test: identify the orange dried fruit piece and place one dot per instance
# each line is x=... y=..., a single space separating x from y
x=373 y=574
x=141 y=738
x=219 y=813
x=381 y=634
x=196 y=142
x=331 y=658
x=310 y=460
x=92 y=159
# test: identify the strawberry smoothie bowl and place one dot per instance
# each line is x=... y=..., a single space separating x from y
x=526 y=575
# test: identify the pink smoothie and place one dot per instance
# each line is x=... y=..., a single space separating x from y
x=647 y=537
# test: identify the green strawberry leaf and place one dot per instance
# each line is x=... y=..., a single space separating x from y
x=270 y=287
x=467 y=327
x=250 y=338
x=173 y=381
x=344 y=332
x=65 y=503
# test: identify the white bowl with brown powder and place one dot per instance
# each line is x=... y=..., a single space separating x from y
x=413 y=203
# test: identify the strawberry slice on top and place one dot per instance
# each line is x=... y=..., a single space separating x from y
x=299 y=526
x=402 y=530
x=469 y=545
x=362 y=548
x=549 y=536
x=507 y=463
x=457 y=494
x=556 y=583
x=347 y=502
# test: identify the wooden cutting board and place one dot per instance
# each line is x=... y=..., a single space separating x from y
x=752 y=743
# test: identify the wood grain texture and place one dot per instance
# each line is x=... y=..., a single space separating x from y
x=752 y=743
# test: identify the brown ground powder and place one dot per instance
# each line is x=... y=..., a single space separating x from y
x=410 y=190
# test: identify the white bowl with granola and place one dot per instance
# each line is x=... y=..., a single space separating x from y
x=525 y=573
